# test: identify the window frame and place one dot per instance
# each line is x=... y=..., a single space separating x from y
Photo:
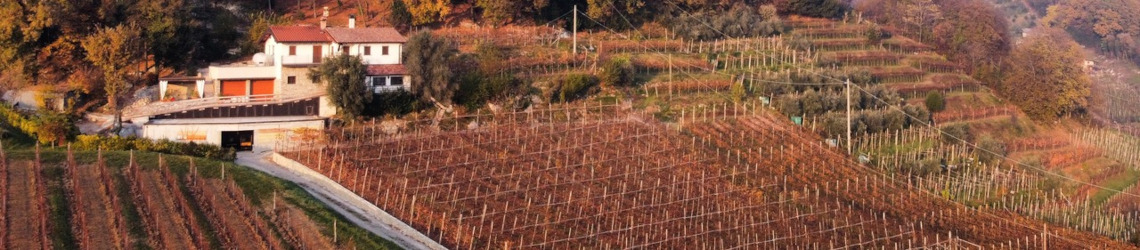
x=368 y=50
x=384 y=50
x=292 y=50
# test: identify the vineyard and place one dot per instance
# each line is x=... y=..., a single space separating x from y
x=981 y=152
x=60 y=199
x=608 y=177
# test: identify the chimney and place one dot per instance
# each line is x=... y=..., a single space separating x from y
x=325 y=19
x=352 y=21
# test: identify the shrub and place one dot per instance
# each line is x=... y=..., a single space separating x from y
x=53 y=127
x=814 y=8
x=392 y=103
x=618 y=72
x=917 y=115
x=476 y=89
x=739 y=21
x=737 y=91
x=835 y=124
x=895 y=120
x=875 y=34
x=935 y=102
x=992 y=150
x=812 y=103
x=574 y=87
x=46 y=126
x=95 y=142
x=875 y=121
x=956 y=134
x=790 y=105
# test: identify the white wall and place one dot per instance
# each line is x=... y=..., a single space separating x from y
x=242 y=72
x=280 y=52
x=377 y=56
x=265 y=135
x=327 y=109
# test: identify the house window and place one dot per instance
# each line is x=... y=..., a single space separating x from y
x=292 y=50
x=291 y=80
x=384 y=50
x=344 y=50
x=397 y=80
x=368 y=50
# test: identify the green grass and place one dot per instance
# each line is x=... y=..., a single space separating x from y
x=257 y=186
x=1117 y=182
x=60 y=208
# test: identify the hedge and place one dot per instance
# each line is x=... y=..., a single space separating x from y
x=45 y=126
x=94 y=142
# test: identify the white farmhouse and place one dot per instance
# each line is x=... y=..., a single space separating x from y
x=252 y=104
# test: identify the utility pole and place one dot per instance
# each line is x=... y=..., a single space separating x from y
x=575 y=30
x=847 y=85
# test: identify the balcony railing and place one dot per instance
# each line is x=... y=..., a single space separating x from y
x=158 y=108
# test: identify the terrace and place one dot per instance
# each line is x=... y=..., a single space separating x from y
x=166 y=107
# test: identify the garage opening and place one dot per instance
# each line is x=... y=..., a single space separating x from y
x=238 y=140
x=262 y=88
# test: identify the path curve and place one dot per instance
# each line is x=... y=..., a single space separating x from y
x=345 y=202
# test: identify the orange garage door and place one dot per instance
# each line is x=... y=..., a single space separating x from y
x=262 y=87
x=233 y=88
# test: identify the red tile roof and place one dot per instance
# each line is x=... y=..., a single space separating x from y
x=384 y=70
x=366 y=35
x=298 y=34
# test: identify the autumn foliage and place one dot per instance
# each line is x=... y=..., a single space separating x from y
x=1045 y=78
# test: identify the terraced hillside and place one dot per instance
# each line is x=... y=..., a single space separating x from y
x=978 y=152
x=987 y=151
x=609 y=178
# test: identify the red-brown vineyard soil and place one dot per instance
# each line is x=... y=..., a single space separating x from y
x=51 y=203
x=628 y=182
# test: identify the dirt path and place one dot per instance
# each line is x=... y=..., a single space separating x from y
x=232 y=218
x=96 y=209
x=339 y=199
x=21 y=216
x=168 y=221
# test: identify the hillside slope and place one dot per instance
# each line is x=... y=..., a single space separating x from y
x=1060 y=170
x=607 y=178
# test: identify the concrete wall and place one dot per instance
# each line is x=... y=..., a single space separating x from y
x=265 y=135
x=327 y=108
x=303 y=85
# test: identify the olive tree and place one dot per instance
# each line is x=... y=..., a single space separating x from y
x=345 y=76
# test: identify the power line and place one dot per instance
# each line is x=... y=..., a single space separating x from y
x=860 y=88
x=928 y=124
x=934 y=127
